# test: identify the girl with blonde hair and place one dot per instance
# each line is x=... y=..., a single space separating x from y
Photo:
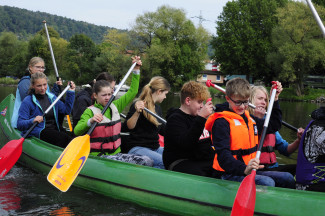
x=273 y=141
x=33 y=107
x=144 y=128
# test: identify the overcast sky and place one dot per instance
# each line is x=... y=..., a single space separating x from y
x=122 y=13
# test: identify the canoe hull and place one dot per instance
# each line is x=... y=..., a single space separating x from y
x=165 y=190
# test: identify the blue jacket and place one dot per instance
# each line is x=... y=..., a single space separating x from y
x=30 y=108
x=22 y=92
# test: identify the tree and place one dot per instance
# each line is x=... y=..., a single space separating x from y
x=12 y=55
x=113 y=56
x=300 y=47
x=173 y=47
x=319 y=2
x=244 y=37
x=52 y=32
x=81 y=54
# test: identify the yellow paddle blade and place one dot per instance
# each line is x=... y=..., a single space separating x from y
x=70 y=162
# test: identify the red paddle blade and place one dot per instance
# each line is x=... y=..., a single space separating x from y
x=244 y=203
x=9 y=154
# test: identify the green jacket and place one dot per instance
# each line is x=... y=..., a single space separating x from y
x=82 y=127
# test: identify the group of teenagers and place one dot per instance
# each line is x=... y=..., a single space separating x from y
x=199 y=138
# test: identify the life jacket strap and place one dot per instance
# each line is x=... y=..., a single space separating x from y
x=268 y=149
x=242 y=152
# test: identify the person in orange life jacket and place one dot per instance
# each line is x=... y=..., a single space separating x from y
x=235 y=137
x=35 y=104
x=144 y=128
x=84 y=98
x=260 y=98
x=188 y=147
x=311 y=154
x=105 y=140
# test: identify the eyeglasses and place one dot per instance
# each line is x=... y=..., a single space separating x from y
x=239 y=103
x=40 y=67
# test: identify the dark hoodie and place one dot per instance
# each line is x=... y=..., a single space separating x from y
x=318 y=114
x=183 y=138
x=82 y=101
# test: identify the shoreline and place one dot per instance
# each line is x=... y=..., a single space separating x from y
x=320 y=100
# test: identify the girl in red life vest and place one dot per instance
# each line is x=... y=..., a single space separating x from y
x=260 y=98
x=105 y=140
x=144 y=128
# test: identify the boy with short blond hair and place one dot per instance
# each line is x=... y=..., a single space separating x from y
x=187 y=145
x=235 y=137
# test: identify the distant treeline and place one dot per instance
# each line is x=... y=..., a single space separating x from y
x=25 y=23
x=173 y=48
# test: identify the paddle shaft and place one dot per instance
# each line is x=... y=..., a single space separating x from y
x=316 y=16
x=46 y=111
x=155 y=115
x=266 y=123
x=51 y=50
x=209 y=83
x=112 y=98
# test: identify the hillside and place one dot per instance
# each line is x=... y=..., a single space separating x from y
x=24 y=23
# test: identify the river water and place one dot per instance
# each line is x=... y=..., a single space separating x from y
x=24 y=192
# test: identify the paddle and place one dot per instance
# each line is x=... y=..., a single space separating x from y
x=209 y=84
x=54 y=65
x=155 y=115
x=316 y=16
x=10 y=153
x=74 y=156
x=244 y=203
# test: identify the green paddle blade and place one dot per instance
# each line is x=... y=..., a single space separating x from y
x=70 y=163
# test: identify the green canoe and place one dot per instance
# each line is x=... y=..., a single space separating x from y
x=165 y=190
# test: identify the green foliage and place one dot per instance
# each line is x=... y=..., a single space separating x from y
x=81 y=54
x=244 y=37
x=168 y=42
x=214 y=91
x=173 y=47
x=310 y=94
x=299 y=46
x=12 y=55
x=319 y=2
x=25 y=23
x=8 y=81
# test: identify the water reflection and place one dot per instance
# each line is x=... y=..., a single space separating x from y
x=63 y=211
x=9 y=197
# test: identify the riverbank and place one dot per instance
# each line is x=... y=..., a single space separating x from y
x=288 y=94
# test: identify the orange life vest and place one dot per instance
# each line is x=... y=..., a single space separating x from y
x=106 y=135
x=243 y=140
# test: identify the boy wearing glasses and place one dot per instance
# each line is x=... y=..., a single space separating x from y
x=235 y=137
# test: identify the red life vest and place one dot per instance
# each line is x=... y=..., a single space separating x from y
x=243 y=140
x=268 y=156
x=106 y=135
